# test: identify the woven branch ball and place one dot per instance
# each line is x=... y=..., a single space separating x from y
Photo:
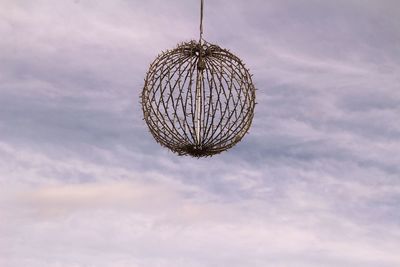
x=198 y=99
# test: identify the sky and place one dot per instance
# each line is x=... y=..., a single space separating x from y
x=315 y=183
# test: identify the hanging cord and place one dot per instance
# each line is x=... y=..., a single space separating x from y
x=201 y=19
x=200 y=63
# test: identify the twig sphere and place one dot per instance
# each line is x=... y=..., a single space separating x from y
x=198 y=99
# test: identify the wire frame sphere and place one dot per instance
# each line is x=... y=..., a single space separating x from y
x=198 y=99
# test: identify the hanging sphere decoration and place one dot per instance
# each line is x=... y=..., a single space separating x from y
x=198 y=99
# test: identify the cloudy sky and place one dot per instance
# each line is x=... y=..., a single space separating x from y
x=315 y=183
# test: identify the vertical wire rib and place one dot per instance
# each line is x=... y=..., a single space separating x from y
x=199 y=89
x=199 y=82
